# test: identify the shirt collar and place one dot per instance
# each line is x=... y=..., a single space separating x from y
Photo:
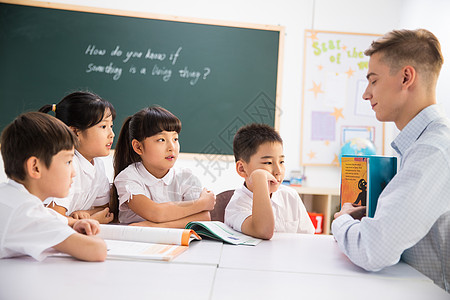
x=17 y=185
x=21 y=188
x=85 y=165
x=414 y=129
x=275 y=198
x=151 y=180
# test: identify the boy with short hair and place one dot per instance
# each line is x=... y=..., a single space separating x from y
x=37 y=151
x=262 y=205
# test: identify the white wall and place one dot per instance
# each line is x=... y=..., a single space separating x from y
x=363 y=16
x=434 y=16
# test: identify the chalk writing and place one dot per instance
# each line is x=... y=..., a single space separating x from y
x=137 y=62
x=108 y=69
x=163 y=72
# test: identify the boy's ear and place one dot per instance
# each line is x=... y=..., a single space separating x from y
x=137 y=146
x=240 y=168
x=33 y=167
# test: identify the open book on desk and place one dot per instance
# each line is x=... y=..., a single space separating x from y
x=145 y=243
x=222 y=232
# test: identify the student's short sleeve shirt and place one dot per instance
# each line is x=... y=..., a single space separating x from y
x=26 y=226
x=90 y=187
x=289 y=211
x=176 y=185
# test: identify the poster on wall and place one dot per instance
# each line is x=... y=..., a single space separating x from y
x=333 y=109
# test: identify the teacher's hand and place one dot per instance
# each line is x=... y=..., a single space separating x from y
x=355 y=211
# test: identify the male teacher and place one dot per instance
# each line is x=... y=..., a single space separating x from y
x=412 y=219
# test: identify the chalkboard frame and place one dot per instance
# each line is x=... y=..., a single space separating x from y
x=148 y=15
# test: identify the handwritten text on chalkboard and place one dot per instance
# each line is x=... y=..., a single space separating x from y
x=127 y=61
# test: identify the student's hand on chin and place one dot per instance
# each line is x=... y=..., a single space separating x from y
x=87 y=227
x=357 y=212
x=272 y=182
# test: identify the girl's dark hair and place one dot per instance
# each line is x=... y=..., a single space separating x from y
x=81 y=110
x=143 y=124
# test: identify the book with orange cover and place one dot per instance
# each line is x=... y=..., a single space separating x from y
x=145 y=243
x=363 y=178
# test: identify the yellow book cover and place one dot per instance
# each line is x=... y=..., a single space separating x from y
x=354 y=180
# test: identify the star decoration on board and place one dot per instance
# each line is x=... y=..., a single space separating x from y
x=344 y=48
x=316 y=89
x=313 y=35
x=327 y=143
x=311 y=155
x=335 y=160
x=350 y=72
x=320 y=67
x=337 y=113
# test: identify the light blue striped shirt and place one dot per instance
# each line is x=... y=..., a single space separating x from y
x=412 y=219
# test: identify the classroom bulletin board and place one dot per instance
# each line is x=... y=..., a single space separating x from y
x=333 y=110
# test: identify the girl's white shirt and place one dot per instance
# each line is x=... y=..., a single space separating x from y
x=176 y=185
x=90 y=187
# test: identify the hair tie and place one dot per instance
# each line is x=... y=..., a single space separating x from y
x=54 y=107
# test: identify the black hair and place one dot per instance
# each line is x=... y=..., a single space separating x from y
x=33 y=134
x=249 y=137
x=81 y=109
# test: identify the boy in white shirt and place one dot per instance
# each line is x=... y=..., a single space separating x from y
x=37 y=151
x=262 y=205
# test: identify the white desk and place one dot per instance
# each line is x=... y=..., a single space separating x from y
x=302 y=253
x=205 y=252
x=66 y=278
x=287 y=267
x=248 y=284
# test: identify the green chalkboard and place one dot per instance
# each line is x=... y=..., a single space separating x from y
x=214 y=77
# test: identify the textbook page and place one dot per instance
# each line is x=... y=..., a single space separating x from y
x=222 y=232
x=142 y=251
x=173 y=236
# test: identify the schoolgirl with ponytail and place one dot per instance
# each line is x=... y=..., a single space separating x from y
x=91 y=119
x=150 y=191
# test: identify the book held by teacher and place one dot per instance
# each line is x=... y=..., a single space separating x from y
x=363 y=178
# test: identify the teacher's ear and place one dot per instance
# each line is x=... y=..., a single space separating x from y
x=409 y=75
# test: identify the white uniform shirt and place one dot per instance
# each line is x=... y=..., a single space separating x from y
x=288 y=209
x=90 y=186
x=176 y=185
x=26 y=226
